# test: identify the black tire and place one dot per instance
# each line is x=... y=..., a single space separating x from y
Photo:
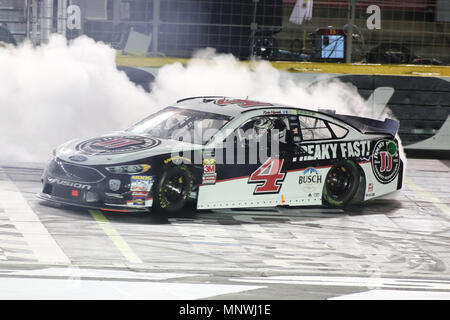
x=341 y=184
x=172 y=190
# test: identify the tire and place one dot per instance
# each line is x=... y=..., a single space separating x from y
x=172 y=190
x=341 y=184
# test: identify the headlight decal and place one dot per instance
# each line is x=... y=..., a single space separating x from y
x=129 y=169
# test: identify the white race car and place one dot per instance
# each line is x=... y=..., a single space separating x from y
x=212 y=150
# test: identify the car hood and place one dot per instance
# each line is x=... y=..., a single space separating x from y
x=118 y=147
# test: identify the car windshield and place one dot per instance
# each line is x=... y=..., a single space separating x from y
x=181 y=124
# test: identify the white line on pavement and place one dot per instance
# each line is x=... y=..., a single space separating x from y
x=28 y=224
x=428 y=196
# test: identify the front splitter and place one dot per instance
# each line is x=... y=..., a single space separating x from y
x=62 y=201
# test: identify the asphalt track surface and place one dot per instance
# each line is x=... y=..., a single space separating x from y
x=396 y=247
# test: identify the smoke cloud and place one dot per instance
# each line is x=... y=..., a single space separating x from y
x=61 y=91
x=218 y=74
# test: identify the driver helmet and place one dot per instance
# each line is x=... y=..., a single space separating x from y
x=263 y=126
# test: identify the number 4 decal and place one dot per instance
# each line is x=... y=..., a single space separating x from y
x=269 y=176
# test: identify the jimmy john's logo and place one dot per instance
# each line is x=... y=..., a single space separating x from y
x=385 y=161
x=353 y=149
x=116 y=145
x=70 y=184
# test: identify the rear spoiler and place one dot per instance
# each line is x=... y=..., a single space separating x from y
x=367 y=125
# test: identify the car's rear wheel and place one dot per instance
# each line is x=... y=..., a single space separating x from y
x=173 y=188
x=341 y=184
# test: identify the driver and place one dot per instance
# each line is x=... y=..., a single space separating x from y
x=270 y=127
x=263 y=126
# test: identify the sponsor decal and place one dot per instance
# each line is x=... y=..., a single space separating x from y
x=391 y=148
x=78 y=158
x=117 y=145
x=295 y=125
x=310 y=175
x=385 y=161
x=71 y=184
x=268 y=176
x=141 y=183
x=335 y=150
x=370 y=187
x=140 y=187
x=306 y=113
x=314 y=195
x=209 y=171
x=147 y=178
x=241 y=102
x=139 y=201
x=209 y=179
x=209 y=161
x=310 y=181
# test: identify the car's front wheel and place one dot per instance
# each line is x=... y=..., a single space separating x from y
x=341 y=184
x=173 y=188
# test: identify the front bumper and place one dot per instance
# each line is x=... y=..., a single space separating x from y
x=94 y=206
x=95 y=191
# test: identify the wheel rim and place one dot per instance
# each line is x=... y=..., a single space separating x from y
x=174 y=189
x=338 y=181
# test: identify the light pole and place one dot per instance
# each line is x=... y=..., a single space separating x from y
x=46 y=20
x=351 y=23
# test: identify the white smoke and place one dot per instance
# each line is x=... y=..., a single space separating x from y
x=219 y=74
x=60 y=91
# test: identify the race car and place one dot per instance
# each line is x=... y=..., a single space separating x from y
x=220 y=152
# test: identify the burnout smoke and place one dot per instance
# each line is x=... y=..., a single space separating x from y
x=60 y=91
x=220 y=74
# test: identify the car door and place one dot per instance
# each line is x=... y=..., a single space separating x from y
x=314 y=153
x=248 y=169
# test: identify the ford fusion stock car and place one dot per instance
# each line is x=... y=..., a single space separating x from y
x=211 y=151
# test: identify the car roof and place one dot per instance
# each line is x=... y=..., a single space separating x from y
x=228 y=106
x=235 y=107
